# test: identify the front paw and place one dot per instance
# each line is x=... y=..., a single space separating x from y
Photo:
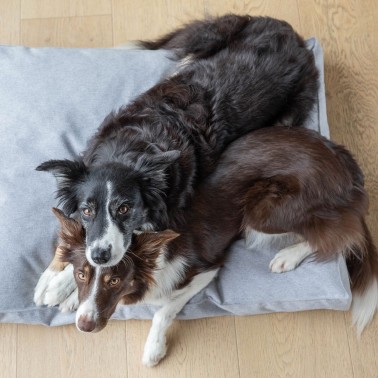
x=154 y=352
x=71 y=303
x=44 y=281
x=60 y=287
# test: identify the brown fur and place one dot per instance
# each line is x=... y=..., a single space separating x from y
x=363 y=263
x=274 y=180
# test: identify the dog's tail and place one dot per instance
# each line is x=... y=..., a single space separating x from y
x=363 y=271
x=201 y=39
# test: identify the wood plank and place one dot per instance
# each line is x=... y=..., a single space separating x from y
x=8 y=350
x=66 y=352
x=91 y=31
x=310 y=344
x=197 y=348
x=283 y=10
x=364 y=351
x=134 y=21
x=10 y=22
x=348 y=32
x=219 y=8
x=64 y=8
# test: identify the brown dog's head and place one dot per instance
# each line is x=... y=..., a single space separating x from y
x=100 y=289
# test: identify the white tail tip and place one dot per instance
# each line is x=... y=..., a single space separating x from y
x=364 y=306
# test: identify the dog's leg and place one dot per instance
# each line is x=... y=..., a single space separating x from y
x=71 y=303
x=61 y=287
x=289 y=258
x=155 y=347
x=260 y=240
x=56 y=266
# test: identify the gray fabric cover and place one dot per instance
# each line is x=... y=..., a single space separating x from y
x=51 y=101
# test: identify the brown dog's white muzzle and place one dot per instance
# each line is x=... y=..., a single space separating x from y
x=86 y=323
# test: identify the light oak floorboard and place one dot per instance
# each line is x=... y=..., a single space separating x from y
x=66 y=8
x=285 y=10
x=348 y=31
x=145 y=20
x=10 y=22
x=9 y=35
x=198 y=348
x=364 y=351
x=311 y=344
x=91 y=31
x=8 y=350
x=65 y=352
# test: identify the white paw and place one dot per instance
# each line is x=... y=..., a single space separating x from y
x=71 y=303
x=283 y=261
x=290 y=257
x=42 y=285
x=154 y=351
x=60 y=287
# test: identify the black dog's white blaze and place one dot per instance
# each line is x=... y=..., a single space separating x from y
x=110 y=236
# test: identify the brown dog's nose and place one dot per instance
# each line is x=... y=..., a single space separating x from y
x=86 y=324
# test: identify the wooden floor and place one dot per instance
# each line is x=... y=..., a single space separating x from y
x=310 y=344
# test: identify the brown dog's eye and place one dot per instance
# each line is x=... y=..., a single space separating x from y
x=114 y=281
x=81 y=276
x=123 y=209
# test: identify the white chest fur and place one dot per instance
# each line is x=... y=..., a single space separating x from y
x=167 y=275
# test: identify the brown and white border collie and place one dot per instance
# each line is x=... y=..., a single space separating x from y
x=271 y=184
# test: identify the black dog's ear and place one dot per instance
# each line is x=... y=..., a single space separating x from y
x=68 y=174
x=156 y=162
x=152 y=169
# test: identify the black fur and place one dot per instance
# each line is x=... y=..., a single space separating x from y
x=245 y=73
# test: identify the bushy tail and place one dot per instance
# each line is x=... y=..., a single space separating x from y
x=201 y=38
x=363 y=271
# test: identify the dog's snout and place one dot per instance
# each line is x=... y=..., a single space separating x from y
x=101 y=255
x=86 y=324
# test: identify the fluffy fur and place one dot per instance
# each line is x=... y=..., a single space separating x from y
x=273 y=181
x=245 y=73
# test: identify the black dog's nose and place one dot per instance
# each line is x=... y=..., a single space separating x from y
x=101 y=255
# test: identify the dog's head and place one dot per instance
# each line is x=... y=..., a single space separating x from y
x=101 y=289
x=113 y=200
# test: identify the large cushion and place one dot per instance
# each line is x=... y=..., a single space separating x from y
x=51 y=101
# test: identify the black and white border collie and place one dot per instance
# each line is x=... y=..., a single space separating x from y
x=141 y=168
x=273 y=185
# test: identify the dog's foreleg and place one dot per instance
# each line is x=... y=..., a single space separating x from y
x=56 y=266
x=155 y=347
x=60 y=288
x=289 y=258
x=71 y=303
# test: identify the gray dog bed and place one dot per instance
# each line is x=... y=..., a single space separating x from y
x=52 y=101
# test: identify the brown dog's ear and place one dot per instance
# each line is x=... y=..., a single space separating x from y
x=166 y=236
x=154 y=240
x=69 y=227
x=71 y=235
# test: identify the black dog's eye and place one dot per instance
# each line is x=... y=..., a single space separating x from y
x=87 y=212
x=123 y=209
